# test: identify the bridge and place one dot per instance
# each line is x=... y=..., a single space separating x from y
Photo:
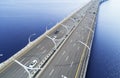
x=61 y=52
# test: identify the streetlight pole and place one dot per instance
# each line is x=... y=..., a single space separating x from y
x=65 y=27
x=53 y=40
x=26 y=68
x=30 y=37
x=84 y=44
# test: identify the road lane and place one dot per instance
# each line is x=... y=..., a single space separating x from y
x=73 y=66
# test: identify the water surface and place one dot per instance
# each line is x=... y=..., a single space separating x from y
x=105 y=56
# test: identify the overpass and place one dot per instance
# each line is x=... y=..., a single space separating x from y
x=61 y=52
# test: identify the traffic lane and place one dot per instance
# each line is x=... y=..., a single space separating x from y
x=61 y=31
x=69 y=24
x=19 y=74
x=90 y=21
x=65 y=67
x=75 y=59
x=84 y=27
x=82 y=33
x=51 y=69
x=52 y=64
x=47 y=72
x=54 y=70
x=69 y=67
x=11 y=72
x=82 y=11
x=84 y=63
x=40 y=48
x=91 y=16
x=44 y=46
x=38 y=53
x=91 y=33
x=27 y=59
x=90 y=39
x=84 y=38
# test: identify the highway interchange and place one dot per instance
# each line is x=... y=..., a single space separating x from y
x=78 y=31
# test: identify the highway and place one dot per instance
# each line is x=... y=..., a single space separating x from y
x=67 y=62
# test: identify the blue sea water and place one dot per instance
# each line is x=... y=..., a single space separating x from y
x=105 y=55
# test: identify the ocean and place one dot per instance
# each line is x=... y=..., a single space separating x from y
x=105 y=55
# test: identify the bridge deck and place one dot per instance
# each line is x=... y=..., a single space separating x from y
x=73 y=39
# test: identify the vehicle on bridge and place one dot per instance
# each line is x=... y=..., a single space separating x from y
x=33 y=63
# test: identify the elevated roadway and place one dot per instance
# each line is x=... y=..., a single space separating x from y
x=71 y=59
x=63 y=52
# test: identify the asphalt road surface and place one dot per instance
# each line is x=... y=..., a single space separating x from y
x=68 y=62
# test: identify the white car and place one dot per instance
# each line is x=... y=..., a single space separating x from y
x=54 y=37
x=33 y=63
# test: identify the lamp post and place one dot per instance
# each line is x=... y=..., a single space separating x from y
x=30 y=37
x=26 y=68
x=53 y=40
x=65 y=27
x=84 y=44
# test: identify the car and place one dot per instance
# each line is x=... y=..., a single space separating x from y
x=54 y=37
x=33 y=63
x=56 y=32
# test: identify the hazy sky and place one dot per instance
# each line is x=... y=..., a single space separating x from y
x=111 y=12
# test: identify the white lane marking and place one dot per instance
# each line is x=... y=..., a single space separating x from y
x=63 y=76
x=71 y=64
x=71 y=41
x=26 y=62
x=66 y=58
x=22 y=60
x=38 y=46
x=44 y=51
x=42 y=48
x=51 y=72
x=78 y=48
x=63 y=52
x=74 y=44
